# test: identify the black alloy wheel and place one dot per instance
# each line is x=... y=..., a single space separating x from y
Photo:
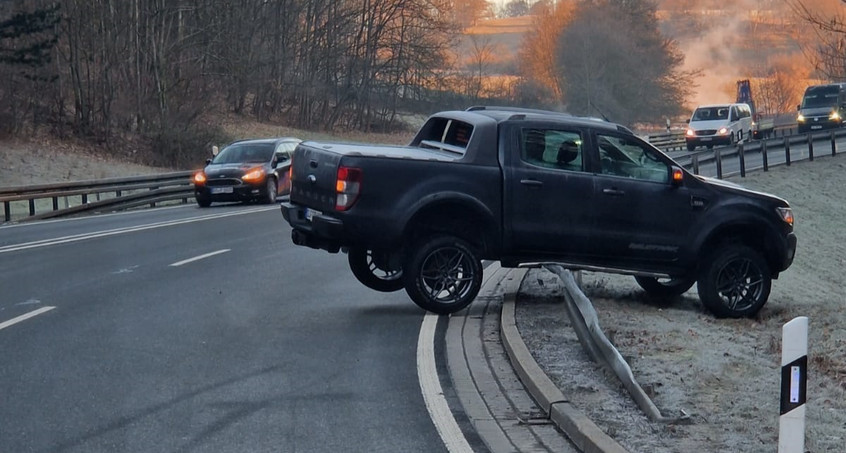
x=735 y=282
x=380 y=271
x=442 y=274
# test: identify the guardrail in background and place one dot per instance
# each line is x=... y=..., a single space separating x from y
x=149 y=190
x=674 y=140
x=111 y=193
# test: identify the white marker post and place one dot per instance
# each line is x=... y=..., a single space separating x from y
x=794 y=384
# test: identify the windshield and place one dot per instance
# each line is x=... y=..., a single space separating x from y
x=711 y=113
x=245 y=153
x=819 y=98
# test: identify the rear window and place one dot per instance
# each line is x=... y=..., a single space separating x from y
x=447 y=134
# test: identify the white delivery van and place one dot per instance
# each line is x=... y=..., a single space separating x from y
x=718 y=124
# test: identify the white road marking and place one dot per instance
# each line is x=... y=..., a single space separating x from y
x=98 y=234
x=197 y=258
x=24 y=317
x=433 y=394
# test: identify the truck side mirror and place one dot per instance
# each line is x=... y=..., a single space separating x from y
x=676 y=176
x=215 y=150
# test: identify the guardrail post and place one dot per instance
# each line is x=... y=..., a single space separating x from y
x=718 y=159
x=764 y=155
x=55 y=203
x=8 y=210
x=31 y=207
x=742 y=158
x=794 y=386
x=833 y=145
x=810 y=147
x=787 y=151
x=85 y=198
x=694 y=159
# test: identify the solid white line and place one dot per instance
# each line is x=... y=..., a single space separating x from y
x=197 y=258
x=80 y=237
x=20 y=318
x=433 y=394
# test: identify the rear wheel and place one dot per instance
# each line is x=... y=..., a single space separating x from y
x=665 y=287
x=380 y=271
x=735 y=282
x=202 y=201
x=442 y=274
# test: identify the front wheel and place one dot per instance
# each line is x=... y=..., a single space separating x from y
x=380 y=271
x=442 y=274
x=735 y=282
x=665 y=287
x=270 y=191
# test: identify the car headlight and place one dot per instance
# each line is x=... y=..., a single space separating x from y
x=834 y=116
x=199 y=178
x=800 y=118
x=255 y=174
x=723 y=131
x=786 y=214
x=690 y=133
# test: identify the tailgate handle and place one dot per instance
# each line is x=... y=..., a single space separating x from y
x=531 y=182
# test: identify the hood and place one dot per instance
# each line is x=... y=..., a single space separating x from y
x=727 y=186
x=228 y=170
x=817 y=111
x=709 y=124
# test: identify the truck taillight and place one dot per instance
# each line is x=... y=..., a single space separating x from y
x=347 y=187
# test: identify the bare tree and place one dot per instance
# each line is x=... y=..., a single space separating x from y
x=827 y=52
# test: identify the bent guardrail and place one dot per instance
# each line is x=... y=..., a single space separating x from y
x=43 y=200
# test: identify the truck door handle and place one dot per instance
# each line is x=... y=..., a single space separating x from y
x=531 y=182
x=614 y=192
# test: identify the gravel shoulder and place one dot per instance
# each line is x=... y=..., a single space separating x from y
x=724 y=374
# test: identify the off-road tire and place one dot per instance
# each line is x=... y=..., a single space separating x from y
x=665 y=287
x=734 y=282
x=442 y=274
x=371 y=269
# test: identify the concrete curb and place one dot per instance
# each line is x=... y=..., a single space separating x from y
x=579 y=428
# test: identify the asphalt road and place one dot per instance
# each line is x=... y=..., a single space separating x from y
x=183 y=329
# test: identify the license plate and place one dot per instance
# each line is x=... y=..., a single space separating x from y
x=816 y=127
x=216 y=190
x=310 y=213
x=706 y=139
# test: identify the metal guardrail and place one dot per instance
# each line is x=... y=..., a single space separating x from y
x=131 y=192
x=111 y=193
x=674 y=140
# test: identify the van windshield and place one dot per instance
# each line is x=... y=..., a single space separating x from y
x=820 y=98
x=711 y=113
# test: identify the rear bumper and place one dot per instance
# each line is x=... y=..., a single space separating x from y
x=316 y=230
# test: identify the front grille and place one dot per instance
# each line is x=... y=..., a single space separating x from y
x=223 y=182
x=706 y=132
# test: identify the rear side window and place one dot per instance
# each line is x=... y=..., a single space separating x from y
x=552 y=148
x=448 y=135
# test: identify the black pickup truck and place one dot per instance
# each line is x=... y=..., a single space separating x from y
x=526 y=186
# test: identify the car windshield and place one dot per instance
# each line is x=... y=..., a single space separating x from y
x=819 y=99
x=245 y=153
x=711 y=113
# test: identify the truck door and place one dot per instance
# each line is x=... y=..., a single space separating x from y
x=548 y=193
x=640 y=216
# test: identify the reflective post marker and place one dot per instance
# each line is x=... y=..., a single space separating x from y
x=794 y=384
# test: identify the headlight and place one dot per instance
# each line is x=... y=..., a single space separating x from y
x=723 y=131
x=800 y=118
x=199 y=178
x=834 y=116
x=786 y=214
x=690 y=133
x=255 y=174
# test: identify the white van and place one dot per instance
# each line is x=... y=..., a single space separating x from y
x=718 y=124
